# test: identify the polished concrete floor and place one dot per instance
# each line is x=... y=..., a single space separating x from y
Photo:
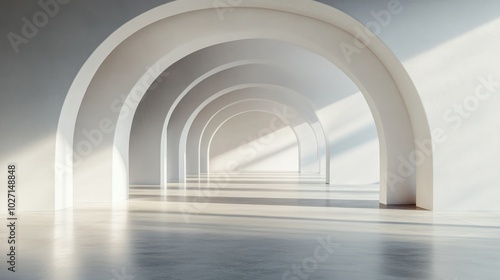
x=254 y=231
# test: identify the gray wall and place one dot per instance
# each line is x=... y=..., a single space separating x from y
x=35 y=80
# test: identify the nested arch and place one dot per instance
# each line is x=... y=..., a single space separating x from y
x=205 y=92
x=214 y=113
x=375 y=70
x=260 y=153
x=254 y=61
x=311 y=138
x=269 y=58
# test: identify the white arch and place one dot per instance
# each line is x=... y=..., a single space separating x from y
x=241 y=111
x=202 y=129
x=281 y=58
x=213 y=117
x=200 y=94
x=387 y=87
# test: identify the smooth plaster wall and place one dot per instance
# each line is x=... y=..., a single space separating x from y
x=301 y=119
x=35 y=81
x=451 y=50
x=448 y=48
x=242 y=139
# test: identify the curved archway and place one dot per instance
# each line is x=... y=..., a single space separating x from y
x=272 y=61
x=205 y=92
x=386 y=86
x=203 y=129
x=212 y=115
x=267 y=147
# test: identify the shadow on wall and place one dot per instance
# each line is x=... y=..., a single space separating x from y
x=354 y=145
x=418 y=26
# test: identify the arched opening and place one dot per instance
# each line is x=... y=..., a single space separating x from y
x=249 y=145
x=375 y=71
x=253 y=58
x=234 y=95
x=312 y=154
x=246 y=146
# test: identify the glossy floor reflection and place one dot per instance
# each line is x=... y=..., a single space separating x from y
x=255 y=231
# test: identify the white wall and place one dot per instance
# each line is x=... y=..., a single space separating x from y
x=245 y=139
x=448 y=47
x=35 y=80
x=355 y=156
